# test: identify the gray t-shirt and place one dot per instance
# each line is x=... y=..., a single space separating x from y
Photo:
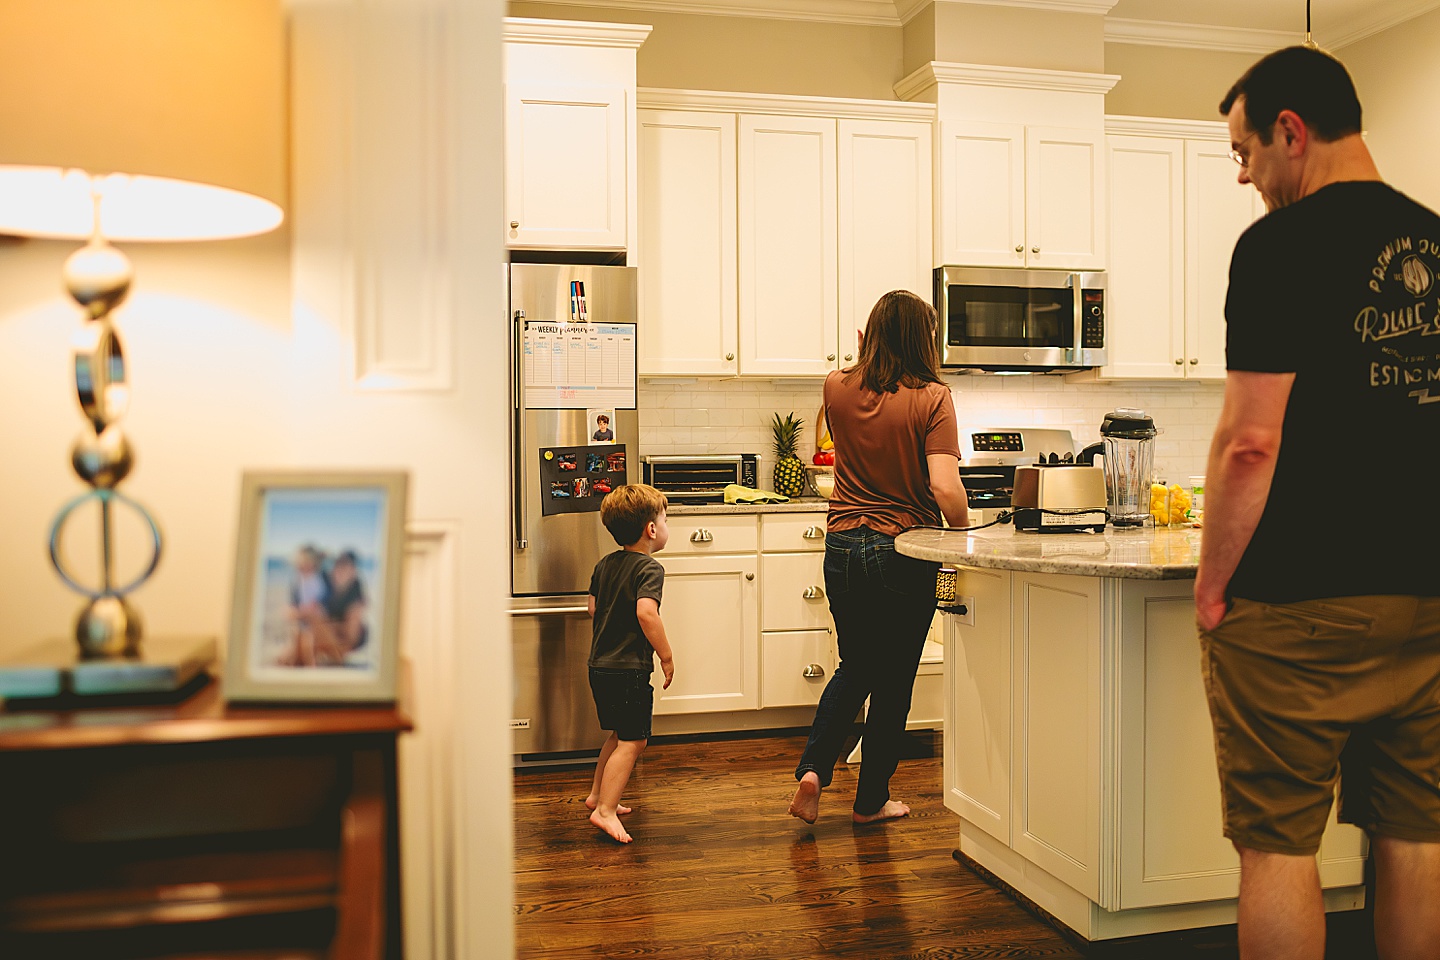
x=619 y=581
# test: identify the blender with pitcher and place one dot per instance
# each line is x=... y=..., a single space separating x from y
x=1127 y=442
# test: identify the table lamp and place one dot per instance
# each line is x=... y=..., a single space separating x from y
x=56 y=203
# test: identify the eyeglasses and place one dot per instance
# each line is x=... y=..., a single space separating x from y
x=1235 y=154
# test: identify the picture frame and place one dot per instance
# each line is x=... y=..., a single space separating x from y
x=315 y=609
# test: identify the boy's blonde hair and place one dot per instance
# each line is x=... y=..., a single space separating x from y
x=626 y=509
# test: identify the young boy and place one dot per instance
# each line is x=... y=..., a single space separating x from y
x=625 y=604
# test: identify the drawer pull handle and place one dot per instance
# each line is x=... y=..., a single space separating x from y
x=701 y=536
x=813 y=593
x=813 y=671
x=814 y=533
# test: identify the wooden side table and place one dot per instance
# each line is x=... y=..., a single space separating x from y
x=200 y=828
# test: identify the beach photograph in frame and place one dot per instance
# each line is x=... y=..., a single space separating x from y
x=315 y=607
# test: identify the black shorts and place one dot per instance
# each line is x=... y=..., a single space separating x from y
x=624 y=700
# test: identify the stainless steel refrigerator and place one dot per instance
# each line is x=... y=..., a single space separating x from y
x=573 y=437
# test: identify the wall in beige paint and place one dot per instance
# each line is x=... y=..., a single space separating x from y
x=803 y=58
x=1170 y=81
x=919 y=45
x=1019 y=37
x=1396 y=74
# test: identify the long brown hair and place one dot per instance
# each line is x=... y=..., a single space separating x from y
x=898 y=349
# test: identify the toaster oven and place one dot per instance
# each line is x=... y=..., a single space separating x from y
x=699 y=479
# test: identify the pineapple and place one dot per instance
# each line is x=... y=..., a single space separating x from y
x=789 y=468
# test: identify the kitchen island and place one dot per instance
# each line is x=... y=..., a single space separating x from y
x=1078 y=747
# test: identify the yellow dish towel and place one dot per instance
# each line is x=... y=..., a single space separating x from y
x=734 y=493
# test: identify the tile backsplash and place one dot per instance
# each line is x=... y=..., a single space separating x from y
x=733 y=416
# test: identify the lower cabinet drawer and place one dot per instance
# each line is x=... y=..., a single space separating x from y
x=786 y=658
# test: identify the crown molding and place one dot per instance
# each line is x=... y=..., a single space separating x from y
x=863 y=12
x=1194 y=36
x=883 y=13
x=1362 y=27
x=1025 y=78
x=659 y=98
x=578 y=33
x=1101 y=7
x=1166 y=127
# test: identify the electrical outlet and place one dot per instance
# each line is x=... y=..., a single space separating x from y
x=962 y=609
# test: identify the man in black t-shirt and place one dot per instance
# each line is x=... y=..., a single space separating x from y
x=1321 y=643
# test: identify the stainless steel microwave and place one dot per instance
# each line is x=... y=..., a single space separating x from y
x=1003 y=320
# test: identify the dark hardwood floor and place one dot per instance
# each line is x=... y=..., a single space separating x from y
x=718 y=871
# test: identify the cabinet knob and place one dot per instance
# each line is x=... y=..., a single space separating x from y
x=814 y=533
x=1194 y=361
x=1019 y=248
x=1034 y=249
x=848 y=358
x=749 y=576
x=813 y=593
x=813 y=671
x=514 y=224
x=729 y=356
x=701 y=536
x=830 y=356
x=1179 y=361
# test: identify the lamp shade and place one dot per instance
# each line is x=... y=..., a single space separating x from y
x=62 y=204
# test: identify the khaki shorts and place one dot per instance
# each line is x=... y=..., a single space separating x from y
x=1305 y=694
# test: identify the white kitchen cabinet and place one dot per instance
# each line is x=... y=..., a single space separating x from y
x=1021 y=196
x=686 y=243
x=1084 y=770
x=1217 y=210
x=797 y=637
x=1176 y=212
x=788 y=245
x=795 y=666
x=1145 y=299
x=885 y=184
x=711 y=619
x=1164 y=738
x=570 y=134
x=769 y=229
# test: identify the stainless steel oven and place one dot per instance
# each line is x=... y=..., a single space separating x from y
x=1020 y=320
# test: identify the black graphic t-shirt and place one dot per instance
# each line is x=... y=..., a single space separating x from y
x=1341 y=289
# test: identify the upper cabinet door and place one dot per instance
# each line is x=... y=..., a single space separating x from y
x=686 y=243
x=1064 y=198
x=981 y=215
x=565 y=167
x=1145 y=301
x=1218 y=208
x=787 y=245
x=884 y=216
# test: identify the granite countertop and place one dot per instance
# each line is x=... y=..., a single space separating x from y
x=794 y=505
x=1146 y=553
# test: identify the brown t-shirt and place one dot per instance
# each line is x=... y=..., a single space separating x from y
x=881 y=441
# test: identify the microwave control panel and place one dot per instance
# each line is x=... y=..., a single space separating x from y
x=1092 y=319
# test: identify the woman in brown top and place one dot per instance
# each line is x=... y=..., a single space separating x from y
x=897 y=456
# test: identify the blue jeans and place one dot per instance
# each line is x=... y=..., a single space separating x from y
x=882 y=603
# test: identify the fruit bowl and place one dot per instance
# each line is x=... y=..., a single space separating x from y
x=821 y=480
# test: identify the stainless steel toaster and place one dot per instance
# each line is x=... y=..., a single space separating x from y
x=1059 y=498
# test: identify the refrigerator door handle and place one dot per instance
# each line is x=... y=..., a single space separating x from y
x=548 y=611
x=518 y=430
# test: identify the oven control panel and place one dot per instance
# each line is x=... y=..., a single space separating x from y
x=999 y=442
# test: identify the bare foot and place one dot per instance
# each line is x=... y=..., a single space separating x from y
x=591 y=803
x=610 y=825
x=806 y=802
x=892 y=810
